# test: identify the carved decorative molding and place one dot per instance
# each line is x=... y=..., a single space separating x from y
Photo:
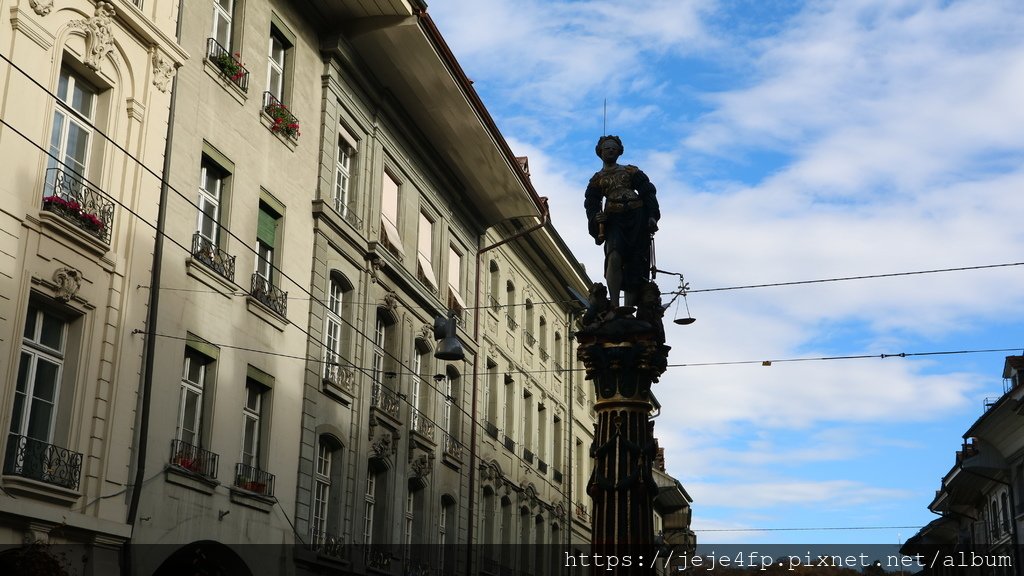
x=422 y=465
x=163 y=71
x=99 y=40
x=390 y=302
x=41 y=7
x=68 y=281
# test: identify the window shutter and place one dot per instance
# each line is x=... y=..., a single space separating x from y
x=266 y=228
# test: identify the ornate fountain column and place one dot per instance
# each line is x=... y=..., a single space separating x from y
x=623 y=354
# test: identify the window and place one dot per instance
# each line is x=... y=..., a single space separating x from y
x=442 y=528
x=223 y=14
x=39 y=375
x=343 y=172
x=455 y=300
x=190 y=399
x=510 y=305
x=425 y=251
x=380 y=338
x=415 y=383
x=266 y=238
x=542 y=336
x=335 y=329
x=491 y=394
x=389 y=214
x=252 y=413
x=321 y=491
x=410 y=522
x=276 y=64
x=495 y=277
x=528 y=324
x=211 y=186
x=71 y=134
x=371 y=503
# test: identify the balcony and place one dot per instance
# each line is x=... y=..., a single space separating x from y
x=378 y=558
x=543 y=354
x=453 y=447
x=558 y=367
x=70 y=197
x=282 y=121
x=510 y=444
x=581 y=511
x=542 y=466
x=229 y=65
x=254 y=480
x=194 y=459
x=422 y=425
x=529 y=338
x=213 y=257
x=37 y=460
x=491 y=429
x=264 y=291
x=556 y=475
x=512 y=324
x=348 y=214
x=384 y=400
x=528 y=455
x=327 y=544
x=495 y=305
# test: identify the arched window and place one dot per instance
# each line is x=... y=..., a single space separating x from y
x=336 y=330
x=528 y=327
x=495 y=287
x=327 y=492
x=510 y=305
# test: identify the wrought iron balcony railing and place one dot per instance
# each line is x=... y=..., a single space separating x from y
x=453 y=447
x=69 y=196
x=378 y=558
x=491 y=429
x=510 y=444
x=37 y=460
x=495 y=304
x=528 y=455
x=556 y=475
x=529 y=338
x=581 y=511
x=228 y=64
x=254 y=480
x=542 y=466
x=422 y=425
x=213 y=257
x=264 y=291
x=558 y=367
x=512 y=324
x=194 y=459
x=384 y=400
x=328 y=544
x=348 y=214
x=543 y=354
x=281 y=118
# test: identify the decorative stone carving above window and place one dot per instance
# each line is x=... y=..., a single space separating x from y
x=99 y=40
x=41 y=7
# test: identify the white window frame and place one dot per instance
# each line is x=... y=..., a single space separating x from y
x=227 y=16
x=34 y=351
x=371 y=501
x=209 y=198
x=276 y=64
x=390 y=200
x=81 y=119
x=333 y=330
x=194 y=389
x=321 y=492
x=342 y=175
x=252 y=415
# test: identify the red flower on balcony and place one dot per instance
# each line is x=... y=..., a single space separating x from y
x=69 y=205
x=284 y=121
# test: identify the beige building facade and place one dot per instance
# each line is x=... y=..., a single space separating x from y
x=84 y=105
x=334 y=185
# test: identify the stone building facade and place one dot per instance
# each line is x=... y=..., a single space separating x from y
x=84 y=104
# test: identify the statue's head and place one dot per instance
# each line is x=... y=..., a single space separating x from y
x=609 y=141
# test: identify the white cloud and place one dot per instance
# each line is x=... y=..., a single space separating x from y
x=791 y=493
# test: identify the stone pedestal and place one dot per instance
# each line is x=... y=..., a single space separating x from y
x=623 y=356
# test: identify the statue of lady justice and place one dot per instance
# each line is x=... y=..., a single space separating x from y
x=625 y=224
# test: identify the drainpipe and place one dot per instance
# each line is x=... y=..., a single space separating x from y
x=544 y=220
x=151 y=318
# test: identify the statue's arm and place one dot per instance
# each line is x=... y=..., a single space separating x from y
x=592 y=200
x=648 y=193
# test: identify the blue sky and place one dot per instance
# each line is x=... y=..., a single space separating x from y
x=792 y=141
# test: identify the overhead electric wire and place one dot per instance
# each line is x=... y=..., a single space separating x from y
x=847 y=278
x=819 y=529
